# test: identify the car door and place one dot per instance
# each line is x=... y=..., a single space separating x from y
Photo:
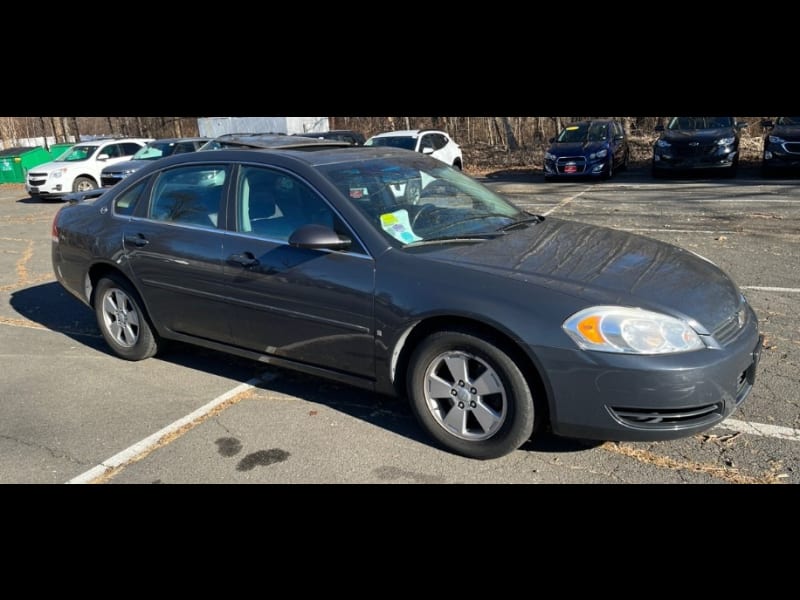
x=312 y=306
x=173 y=247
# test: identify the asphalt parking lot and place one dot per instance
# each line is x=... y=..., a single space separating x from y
x=70 y=412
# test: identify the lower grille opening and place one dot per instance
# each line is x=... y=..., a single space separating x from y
x=644 y=417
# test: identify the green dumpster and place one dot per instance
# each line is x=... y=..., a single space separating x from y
x=16 y=162
x=57 y=150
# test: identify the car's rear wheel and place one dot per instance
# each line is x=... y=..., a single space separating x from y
x=469 y=395
x=83 y=184
x=122 y=319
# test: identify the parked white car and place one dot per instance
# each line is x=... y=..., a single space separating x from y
x=434 y=142
x=78 y=169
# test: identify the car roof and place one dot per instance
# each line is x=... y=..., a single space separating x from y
x=313 y=154
x=275 y=140
x=409 y=132
x=180 y=139
x=101 y=141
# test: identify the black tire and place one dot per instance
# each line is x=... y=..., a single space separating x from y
x=625 y=161
x=609 y=173
x=505 y=407
x=83 y=184
x=656 y=173
x=122 y=319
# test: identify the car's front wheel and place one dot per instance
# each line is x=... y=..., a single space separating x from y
x=83 y=184
x=468 y=393
x=122 y=319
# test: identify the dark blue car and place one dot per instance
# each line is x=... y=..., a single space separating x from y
x=781 y=146
x=595 y=148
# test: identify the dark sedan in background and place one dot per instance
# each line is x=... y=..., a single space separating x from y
x=113 y=174
x=781 y=146
x=387 y=269
x=697 y=144
x=587 y=149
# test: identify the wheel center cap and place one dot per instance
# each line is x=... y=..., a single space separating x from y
x=463 y=394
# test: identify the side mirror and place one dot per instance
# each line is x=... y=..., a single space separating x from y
x=318 y=237
x=103 y=156
x=767 y=123
x=427 y=150
x=659 y=128
x=552 y=140
x=741 y=125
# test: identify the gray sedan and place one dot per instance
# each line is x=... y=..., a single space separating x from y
x=388 y=270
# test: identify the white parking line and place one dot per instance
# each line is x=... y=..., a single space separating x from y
x=565 y=201
x=773 y=431
x=761 y=288
x=150 y=442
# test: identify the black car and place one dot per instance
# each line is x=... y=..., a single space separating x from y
x=781 y=146
x=697 y=143
x=389 y=270
x=353 y=138
x=594 y=148
x=113 y=174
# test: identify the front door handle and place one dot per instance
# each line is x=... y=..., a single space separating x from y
x=136 y=240
x=246 y=259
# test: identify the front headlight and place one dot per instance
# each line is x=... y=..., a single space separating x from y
x=663 y=144
x=726 y=141
x=549 y=156
x=629 y=330
x=600 y=154
x=774 y=139
x=57 y=173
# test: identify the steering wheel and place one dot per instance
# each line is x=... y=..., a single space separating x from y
x=425 y=209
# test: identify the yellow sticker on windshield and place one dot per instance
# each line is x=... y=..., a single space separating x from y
x=397 y=225
x=573 y=128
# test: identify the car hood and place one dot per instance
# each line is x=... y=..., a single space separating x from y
x=575 y=148
x=124 y=166
x=700 y=135
x=606 y=266
x=787 y=132
x=48 y=166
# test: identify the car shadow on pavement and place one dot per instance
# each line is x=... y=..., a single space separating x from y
x=51 y=307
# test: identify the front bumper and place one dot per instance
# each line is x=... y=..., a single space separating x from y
x=784 y=156
x=45 y=188
x=639 y=398
x=717 y=157
x=575 y=166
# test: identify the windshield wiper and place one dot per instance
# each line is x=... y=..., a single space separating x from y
x=464 y=237
x=522 y=222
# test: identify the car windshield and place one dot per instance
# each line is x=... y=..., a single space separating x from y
x=583 y=132
x=156 y=150
x=789 y=121
x=395 y=141
x=77 y=153
x=412 y=200
x=678 y=123
x=573 y=133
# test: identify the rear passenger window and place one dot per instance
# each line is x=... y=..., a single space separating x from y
x=189 y=195
x=125 y=203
